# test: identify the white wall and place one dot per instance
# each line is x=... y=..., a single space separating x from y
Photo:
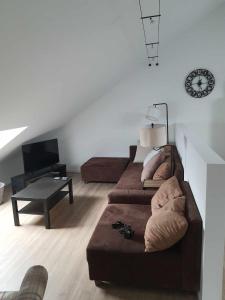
x=110 y=124
x=205 y=171
x=11 y=166
x=58 y=56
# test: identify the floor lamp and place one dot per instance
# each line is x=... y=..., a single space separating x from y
x=154 y=114
x=155 y=135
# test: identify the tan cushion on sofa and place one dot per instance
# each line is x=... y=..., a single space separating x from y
x=167 y=225
x=169 y=190
x=141 y=153
x=163 y=230
x=164 y=170
x=176 y=205
x=151 y=166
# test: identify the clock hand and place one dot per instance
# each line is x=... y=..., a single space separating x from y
x=201 y=83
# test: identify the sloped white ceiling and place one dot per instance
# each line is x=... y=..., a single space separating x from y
x=57 y=57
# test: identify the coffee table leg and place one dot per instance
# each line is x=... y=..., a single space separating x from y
x=46 y=216
x=15 y=212
x=71 y=191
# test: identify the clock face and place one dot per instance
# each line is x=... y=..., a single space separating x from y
x=199 y=83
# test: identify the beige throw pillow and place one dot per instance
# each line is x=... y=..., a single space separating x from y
x=141 y=153
x=176 y=205
x=150 y=168
x=149 y=156
x=169 y=190
x=167 y=225
x=163 y=230
x=164 y=170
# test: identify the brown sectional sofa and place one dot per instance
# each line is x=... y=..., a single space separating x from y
x=115 y=259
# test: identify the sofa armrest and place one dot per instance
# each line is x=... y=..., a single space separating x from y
x=8 y=295
x=132 y=152
x=131 y=196
x=150 y=183
x=191 y=244
x=34 y=284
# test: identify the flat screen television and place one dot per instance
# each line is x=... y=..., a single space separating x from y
x=40 y=155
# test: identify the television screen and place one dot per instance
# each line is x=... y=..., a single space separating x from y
x=40 y=155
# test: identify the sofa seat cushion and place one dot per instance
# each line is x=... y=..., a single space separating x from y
x=131 y=178
x=107 y=239
x=104 y=169
x=113 y=258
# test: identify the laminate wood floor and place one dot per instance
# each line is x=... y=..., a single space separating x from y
x=62 y=250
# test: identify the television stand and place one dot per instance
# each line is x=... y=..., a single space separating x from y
x=19 y=182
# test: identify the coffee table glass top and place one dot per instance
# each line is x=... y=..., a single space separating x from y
x=41 y=189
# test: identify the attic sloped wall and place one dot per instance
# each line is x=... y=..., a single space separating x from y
x=59 y=56
x=108 y=126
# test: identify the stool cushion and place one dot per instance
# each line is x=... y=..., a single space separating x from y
x=104 y=169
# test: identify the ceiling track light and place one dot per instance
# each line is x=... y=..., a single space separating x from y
x=148 y=44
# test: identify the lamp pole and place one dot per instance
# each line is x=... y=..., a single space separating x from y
x=167 y=125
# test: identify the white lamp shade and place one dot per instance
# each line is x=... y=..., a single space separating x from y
x=153 y=114
x=153 y=137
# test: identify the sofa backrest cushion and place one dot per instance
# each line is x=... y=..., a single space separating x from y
x=191 y=260
x=177 y=167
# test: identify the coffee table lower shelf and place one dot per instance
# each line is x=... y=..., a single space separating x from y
x=37 y=208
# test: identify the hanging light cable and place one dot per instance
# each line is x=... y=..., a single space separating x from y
x=158 y=36
x=153 y=43
x=145 y=37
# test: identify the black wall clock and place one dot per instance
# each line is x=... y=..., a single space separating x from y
x=199 y=83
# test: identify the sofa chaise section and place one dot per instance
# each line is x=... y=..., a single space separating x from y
x=115 y=259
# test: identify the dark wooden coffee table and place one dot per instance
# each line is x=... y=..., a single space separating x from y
x=43 y=195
